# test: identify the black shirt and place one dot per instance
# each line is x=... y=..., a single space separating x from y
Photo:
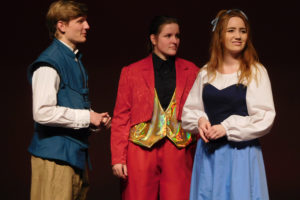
x=165 y=79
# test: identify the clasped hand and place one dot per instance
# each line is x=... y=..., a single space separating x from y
x=100 y=120
x=208 y=132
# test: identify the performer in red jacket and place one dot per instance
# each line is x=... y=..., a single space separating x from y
x=150 y=151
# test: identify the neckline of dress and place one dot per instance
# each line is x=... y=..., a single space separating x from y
x=229 y=74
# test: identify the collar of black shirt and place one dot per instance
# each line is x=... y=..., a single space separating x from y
x=158 y=63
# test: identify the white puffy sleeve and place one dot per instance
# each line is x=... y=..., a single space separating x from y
x=193 y=108
x=261 y=111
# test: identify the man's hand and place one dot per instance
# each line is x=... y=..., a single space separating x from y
x=100 y=119
x=106 y=121
x=120 y=170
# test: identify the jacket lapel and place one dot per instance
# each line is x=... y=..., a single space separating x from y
x=148 y=72
x=181 y=78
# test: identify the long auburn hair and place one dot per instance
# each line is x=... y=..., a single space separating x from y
x=248 y=58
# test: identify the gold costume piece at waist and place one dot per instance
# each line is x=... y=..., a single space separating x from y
x=163 y=124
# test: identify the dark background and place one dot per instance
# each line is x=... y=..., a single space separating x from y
x=118 y=37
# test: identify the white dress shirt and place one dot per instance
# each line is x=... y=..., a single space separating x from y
x=259 y=102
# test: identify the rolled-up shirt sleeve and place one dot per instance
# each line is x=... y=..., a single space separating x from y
x=261 y=111
x=45 y=85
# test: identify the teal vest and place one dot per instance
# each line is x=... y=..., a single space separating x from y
x=57 y=143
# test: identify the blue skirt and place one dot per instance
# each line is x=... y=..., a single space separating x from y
x=229 y=171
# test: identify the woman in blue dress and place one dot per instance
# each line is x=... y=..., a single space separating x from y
x=230 y=105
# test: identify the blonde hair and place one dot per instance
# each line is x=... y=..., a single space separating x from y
x=248 y=59
x=64 y=10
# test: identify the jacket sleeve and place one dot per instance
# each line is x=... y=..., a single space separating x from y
x=121 y=120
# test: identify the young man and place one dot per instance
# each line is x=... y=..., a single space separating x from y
x=61 y=108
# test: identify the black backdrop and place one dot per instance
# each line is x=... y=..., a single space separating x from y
x=117 y=37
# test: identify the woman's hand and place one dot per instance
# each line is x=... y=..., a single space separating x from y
x=215 y=132
x=120 y=170
x=203 y=127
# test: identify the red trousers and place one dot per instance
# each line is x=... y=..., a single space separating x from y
x=160 y=173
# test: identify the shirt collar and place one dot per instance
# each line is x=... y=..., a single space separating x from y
x=75 y=51
x=158 y=62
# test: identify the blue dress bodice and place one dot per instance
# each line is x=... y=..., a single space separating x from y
x=220 y=104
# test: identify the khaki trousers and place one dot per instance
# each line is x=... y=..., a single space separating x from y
x=53 y=180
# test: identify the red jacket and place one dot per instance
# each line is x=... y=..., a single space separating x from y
x=135 y=100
